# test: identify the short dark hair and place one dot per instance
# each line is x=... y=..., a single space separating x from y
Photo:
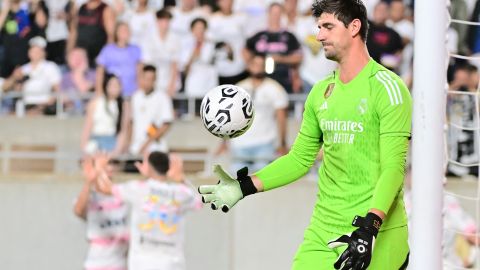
x=472 y=68
x=148 y=68
x=345 y=11
x=164 y=14
x=199 y=19
x=159 y=161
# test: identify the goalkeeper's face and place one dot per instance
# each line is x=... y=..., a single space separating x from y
x=334 y=36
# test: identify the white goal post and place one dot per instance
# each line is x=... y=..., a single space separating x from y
x=428 y=150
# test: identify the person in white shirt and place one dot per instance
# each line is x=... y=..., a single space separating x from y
x=142 y=23
x=314 y=64
x=105 y=217
x=157 y=212
x=152 y=115
x=57 y=30
x=105 y=124
x=183 y=16
x=399 y=23
x=255 y=12
x=227 y=30
x=196 y=61
x=266 y=138
x=40 y=79
x=163 y=51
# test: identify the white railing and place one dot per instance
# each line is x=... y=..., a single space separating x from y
x=296 y=99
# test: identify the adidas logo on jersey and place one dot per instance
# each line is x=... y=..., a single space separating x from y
x=324 y=106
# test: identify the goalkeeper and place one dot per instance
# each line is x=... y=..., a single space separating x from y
x=361 y=115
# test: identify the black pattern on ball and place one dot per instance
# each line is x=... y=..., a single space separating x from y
x=229 y=92
x=247 y=108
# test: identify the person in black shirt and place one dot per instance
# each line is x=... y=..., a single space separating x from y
x=92 y=28
x=383 y=43
x=18 y=24
x=277 y=44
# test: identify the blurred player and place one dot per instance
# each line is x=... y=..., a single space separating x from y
x=460 y=233
x=106 y=217
x=157 y=209
x=361 y=115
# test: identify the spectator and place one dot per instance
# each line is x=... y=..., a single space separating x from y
x=122 y=8
x=152 y=115
x=183 y=16
x=196 y=58
x=142 y=23
x=19 y=23
x=104 y=128
x=38 y=79
x=459 y=11
x=370 y=5
x=120 y=58
x=267 y=135
x=78 y=82
x=473 y=36
x=255 y=12
x=92 y=28
x=315 y=65
x=463 y=142
x=384 y=44
x=405 y=29
x=279 y=44
x=157 y=209
x=227 y=30
x=163 y=52
x=57 y=30
x=106 y=220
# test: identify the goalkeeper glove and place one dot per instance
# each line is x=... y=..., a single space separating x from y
x=228 y=191
x=360 y=243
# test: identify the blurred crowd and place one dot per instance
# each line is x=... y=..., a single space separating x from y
x=463 y=79
x=67 y=48
x=111 y=60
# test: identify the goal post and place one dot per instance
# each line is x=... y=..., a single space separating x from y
x=428 y=151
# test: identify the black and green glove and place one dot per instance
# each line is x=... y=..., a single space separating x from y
x=360 y=243
x=228 y=191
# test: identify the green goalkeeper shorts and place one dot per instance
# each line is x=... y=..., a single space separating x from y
x=389 y=253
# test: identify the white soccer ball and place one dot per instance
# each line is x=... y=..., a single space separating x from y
x=227 y=111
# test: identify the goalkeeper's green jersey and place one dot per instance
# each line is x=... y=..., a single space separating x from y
x=350 y=120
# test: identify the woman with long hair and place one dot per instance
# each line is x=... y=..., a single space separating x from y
x=105 y=122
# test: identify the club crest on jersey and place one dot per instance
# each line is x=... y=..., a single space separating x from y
x=362 y=106
x=329 y=90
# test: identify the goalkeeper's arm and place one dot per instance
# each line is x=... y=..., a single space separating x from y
x=282 y=171
x=393 y=152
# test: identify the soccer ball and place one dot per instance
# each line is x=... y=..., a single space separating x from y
x=227 y=111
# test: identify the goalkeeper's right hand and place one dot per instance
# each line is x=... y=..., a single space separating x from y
x=228 y=191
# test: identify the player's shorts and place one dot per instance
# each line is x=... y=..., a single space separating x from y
x=389 y=253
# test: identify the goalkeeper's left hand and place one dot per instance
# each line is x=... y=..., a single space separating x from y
x=229 y=190
x=360 y=243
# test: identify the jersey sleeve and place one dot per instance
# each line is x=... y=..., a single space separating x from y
x=394 y=110
x=102 y=58
x=293 y=44
x=302 y=155
x=393 y=154
x=393 y=105
x=279 y=96
x=127 y=191
x=189 y=198
x=164 y=113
